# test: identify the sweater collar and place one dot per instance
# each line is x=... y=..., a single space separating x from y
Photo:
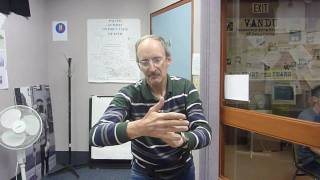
x=146 y=90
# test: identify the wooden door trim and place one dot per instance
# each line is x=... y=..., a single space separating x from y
x=168 y=8
x=223 y=178
x=284 y=128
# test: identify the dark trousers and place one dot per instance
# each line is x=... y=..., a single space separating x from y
x=44 y=160
x=187 y=172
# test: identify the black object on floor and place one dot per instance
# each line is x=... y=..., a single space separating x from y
x=68 y=166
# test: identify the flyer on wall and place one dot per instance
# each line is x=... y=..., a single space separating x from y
x=3 y=62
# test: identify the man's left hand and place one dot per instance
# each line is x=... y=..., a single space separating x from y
x=172 y=139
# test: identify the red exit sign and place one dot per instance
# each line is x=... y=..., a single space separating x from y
x=260 y=8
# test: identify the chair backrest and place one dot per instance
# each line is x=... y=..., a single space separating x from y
x=306 y=170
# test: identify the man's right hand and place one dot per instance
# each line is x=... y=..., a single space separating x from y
x=155 y=123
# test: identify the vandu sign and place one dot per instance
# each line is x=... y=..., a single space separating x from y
x=257 y=18
x=258 y=26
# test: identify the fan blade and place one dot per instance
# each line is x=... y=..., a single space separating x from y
x=32 y=124
x=9 y=117
x=12 y=139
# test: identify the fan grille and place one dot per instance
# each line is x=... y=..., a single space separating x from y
x=19 y=130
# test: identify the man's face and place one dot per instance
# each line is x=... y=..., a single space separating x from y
x=153 y=62
x=39 y=103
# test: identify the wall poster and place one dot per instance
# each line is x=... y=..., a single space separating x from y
x=59 y=30
x=3 y=62
x=40 y=157
x=110 y=49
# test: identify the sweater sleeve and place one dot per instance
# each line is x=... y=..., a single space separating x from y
x=199 y=133
x=111 y=129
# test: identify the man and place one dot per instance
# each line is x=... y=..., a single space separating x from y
x=20 y=98
x=310 y=154
x=44 y=143
x=165 y=114
x=49 y=115
x=39 y=107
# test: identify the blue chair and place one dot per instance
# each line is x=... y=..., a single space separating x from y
x=309 y=169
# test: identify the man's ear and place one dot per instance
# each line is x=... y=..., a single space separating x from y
x=169 y=60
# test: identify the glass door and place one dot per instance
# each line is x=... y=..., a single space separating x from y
x=276 y=43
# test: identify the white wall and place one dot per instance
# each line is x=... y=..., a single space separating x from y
x=26 y=50
x=27 y=64
x=33 y=58
x=76 y=13
x=155 y=5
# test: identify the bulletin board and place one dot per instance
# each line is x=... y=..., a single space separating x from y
x=98 y=104
x=174 y=23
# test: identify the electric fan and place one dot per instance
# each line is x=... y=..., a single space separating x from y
x=20 y=127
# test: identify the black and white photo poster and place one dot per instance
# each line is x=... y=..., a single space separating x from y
x=40 y=157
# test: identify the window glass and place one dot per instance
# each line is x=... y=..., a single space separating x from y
x=251 y=156
x=277 y=43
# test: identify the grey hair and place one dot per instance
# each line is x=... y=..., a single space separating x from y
x=154 y=37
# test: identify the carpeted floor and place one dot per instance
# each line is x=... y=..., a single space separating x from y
x=89 y=173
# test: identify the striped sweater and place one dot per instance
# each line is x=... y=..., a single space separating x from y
x=133 y=102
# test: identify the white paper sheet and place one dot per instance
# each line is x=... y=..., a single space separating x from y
x=111 y=52
x=59 y=31
x=196 y=64
x=272 y=58
x=300 y=55
x=236 y=87
x=2 y=19
x=256 y=41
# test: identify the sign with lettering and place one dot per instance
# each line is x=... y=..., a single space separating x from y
x=258 y=26
x=278 y=74
x=260 y=8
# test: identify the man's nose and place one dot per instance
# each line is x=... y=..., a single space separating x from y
x=152 y=66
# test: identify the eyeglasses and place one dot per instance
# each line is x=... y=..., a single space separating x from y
x=146 y=63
